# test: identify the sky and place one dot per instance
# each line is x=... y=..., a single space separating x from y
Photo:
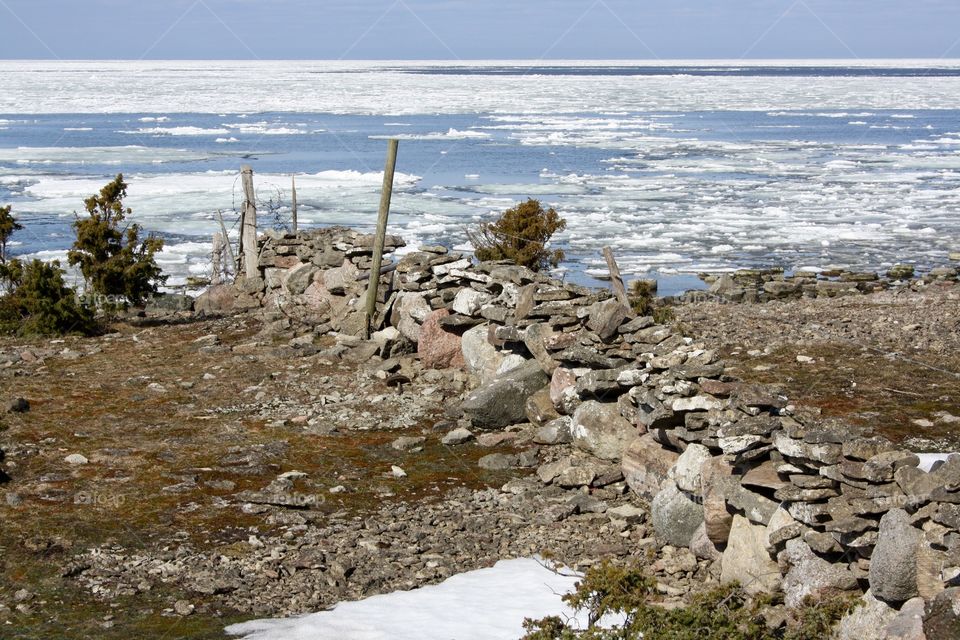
x=478 y=29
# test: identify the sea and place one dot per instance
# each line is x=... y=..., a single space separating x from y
x=682 y=167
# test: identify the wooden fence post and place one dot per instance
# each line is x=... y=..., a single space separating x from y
x=248 y=233
x=217 y=259
x=226 y=238
x=378 y=240
x=618 y=287
x=293 y=201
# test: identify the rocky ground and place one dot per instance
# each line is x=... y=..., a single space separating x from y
x=166 y=480
x=888 y=361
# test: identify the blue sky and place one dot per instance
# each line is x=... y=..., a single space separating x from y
x=461 y=29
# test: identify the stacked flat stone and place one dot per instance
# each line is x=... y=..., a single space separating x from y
x=762 y=285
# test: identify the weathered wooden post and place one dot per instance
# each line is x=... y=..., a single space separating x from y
x=378 y=240
x=293 y=201
x=618 y=287
x=217 y=259
x=226 y=239
x=248 y=232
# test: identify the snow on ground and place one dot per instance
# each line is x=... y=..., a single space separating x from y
x=488 y=604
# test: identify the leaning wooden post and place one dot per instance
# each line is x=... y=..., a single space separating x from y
x=226 y=238
x=217 y=259
x=248 y=234
x=378 y=240
x=293 y=201
x=618 y=287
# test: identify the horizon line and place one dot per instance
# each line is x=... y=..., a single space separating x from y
x=538 y=61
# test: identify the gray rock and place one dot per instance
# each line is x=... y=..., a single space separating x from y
x=550 y=471
x=573 y=477
x=20 y=405
x=540 y=409
x=502 y=402
x=405 y=443
x=943 y=616
x=481 y=357
x=182 y=608
x=599 y=429
x=498 y=462
x=696 y=403
x=409 y=312
x=745 y=560
x=457 y=436
x=893 y=565
x=587 y=357
x=76 y=458
x=651 y=412
x=827 y=453
x=675 y=516
x=908 y=623
x=646 y=464
x=627 y=513
x=686 y=472
x=606 y=317
x=703 y=547
x=469 y=301
x=867 y=621
x=555 y=432
x=299 y=278
x=534 y=338
x=810 y=574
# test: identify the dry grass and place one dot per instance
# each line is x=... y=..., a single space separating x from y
x=140 y=442
x=881 y=393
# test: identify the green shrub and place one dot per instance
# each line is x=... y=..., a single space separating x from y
x=643 y=300
x=520 y=235
x=8 y=224
x=722 y=613
x=37 y=302
x=112 y=258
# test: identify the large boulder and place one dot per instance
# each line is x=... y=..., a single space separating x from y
x=437 y=347
x=299 y=278
x=468 y=302
x=481 y=357
x=503 y=401
x=646 y=464
x=218 y=299
x=893 y=565
x=868 y=621
x=675 y=516
x=599 y=429
x=686 y=473
x=908 y=623
x=745 y=560
x=811 y=575
x=409 y=313
x=943 y=616
x=606 y=317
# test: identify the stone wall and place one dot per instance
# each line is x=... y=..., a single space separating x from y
x=779 y=499
x=762 y=285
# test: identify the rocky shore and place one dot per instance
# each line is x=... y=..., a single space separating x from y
x=493 y=413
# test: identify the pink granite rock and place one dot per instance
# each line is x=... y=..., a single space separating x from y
x=437 y=348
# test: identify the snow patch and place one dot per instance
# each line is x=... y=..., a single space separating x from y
x=488 y=604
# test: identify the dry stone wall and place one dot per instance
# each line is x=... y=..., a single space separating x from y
x=733 y=471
